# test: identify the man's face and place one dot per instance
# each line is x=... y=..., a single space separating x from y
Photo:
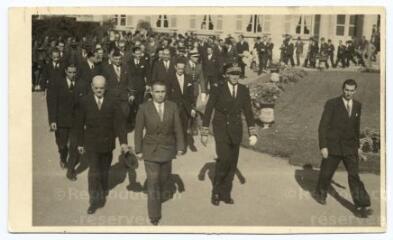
x=349 y=91
x=55 y=57
x=264 y=39
x=160 y=54
x=194 y=59
x=180 y=68
x=158 y=93
x=98 y=87
x=233 y=78
x=122 y=46
x=166 y=54
x=71 y=73
x=100 y=54
x=116 y=60
x=60 y=46
x=137 y=54
x=209 y=51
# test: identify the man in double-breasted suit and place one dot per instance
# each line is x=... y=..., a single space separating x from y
x=99 y=122
x=229 y=101
x=161 y=143
x=339 y=131
x=117 y=82
x=164 y=70
x=63 y=98
x=181 y=92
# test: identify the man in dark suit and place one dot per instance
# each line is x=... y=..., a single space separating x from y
x=241 y=47
x=52 y=71
x=162 y=142
x=138 y=77
x=88 y=69
x=164 y=70
x=211 y=69
x=117 y=82
x=181 y=92
x=63 y=98
x=262 y=50
x=341 y=49
x=229 y=101
x=339 y=131
x=99 y=122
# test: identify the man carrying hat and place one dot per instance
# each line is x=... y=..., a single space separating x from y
x=229 y=100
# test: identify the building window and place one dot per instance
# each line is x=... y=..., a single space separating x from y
x=162 y=21
x=340 y=25
x=193 y=21
x=239 y=22
x=207 y=23
x=123 y=20
x=219 y=22
x=352 y=25
x=304 y=25
x=115 y=19
x=254 y=25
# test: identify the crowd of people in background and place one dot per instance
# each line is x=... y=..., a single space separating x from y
x=309 y=53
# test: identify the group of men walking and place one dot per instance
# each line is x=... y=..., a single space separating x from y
x=92 y=102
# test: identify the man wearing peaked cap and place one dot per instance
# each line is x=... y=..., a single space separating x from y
x=229 y=100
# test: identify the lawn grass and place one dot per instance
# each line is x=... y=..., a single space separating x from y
x=294 y=135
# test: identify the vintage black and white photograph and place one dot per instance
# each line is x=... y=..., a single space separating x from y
x=224 y=118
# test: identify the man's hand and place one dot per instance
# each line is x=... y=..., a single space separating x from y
x=324 y=153
x=203 y=97
x=81 y=150
x=131 y=99
x=193 y=113
x=204 y=140
x=124 y=148
x=179 y=153
x=362 y=156
x=53 y=126
x=139 y=156
x=252 y=140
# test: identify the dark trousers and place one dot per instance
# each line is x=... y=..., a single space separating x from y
x=98 y=175
x=341 y=58
x=228 y=155
x=290 y=59
x=262 y=62
x=359 y=194
x=350 y=58
x=242 y=66
x=186 y=122
x=67 y=146
x=74 y=156
x=62 y=141
x=157 y=174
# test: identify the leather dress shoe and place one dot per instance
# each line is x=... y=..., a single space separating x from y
x=91 y=209
x=228 y=201
x=193 y=148
x=154 y=221
x=71 y=175
x=215 y=199
x=63 y=165
x=363 y=212
x=321 y=200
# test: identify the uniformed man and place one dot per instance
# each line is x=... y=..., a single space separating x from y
x=229 y=101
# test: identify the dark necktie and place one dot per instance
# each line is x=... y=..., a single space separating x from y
x=233 y=91
x=348 y=107
x=72 y=85
x=99 y=103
